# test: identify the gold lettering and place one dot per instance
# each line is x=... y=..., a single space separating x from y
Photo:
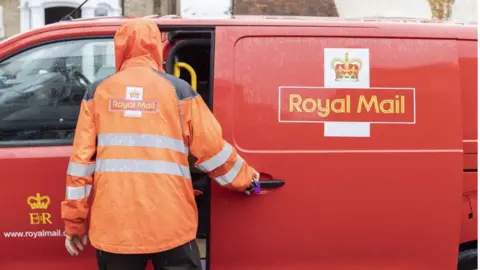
x=46 y=218
x=387 y=103
x=295 y=101
x=323 y=107
x=340 y=101
x=323 y=111
x=402 y=102
x=348 y=103
x=34 y=218
x=40 y=218
x=363 y=102
x=312 y=106
x=146 y=105
x=397 y=104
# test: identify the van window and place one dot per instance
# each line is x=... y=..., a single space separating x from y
x=41 y=88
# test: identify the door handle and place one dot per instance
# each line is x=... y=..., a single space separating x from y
x=271 y=184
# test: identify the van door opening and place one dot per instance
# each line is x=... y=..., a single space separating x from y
x=190 y=58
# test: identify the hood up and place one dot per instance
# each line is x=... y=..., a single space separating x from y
x=138 y=42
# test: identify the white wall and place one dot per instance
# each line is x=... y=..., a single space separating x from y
x=32 y=12
x=462 y=10
x=384 y=8
x=465 y=10
x=2 y=27
x=205 y=8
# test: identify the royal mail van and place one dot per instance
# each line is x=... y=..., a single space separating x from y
x=365 y=132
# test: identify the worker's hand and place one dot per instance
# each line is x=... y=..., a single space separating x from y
x=255 y=181
x=256 y=177
x=75 y=243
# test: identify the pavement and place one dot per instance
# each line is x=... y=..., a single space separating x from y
x=202 y=245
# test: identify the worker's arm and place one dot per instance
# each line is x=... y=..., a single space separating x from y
x=80 y=170
x=215 y=156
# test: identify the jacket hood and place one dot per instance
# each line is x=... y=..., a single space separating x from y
x=138 y=42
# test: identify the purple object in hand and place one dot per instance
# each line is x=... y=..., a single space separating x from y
x=257 y=188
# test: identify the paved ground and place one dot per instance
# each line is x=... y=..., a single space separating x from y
x=202 y=244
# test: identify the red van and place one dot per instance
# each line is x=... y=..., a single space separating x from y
x=366 y=131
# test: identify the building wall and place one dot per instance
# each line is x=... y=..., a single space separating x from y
x=138 y=7
x=2 y=27
x=11 y=16
x=462 y=10
x=381 y=8
x=465 y=10
x=22 y=15
x=324 y=8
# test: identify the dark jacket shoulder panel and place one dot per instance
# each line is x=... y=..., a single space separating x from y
x=93 y=87
x=182 y=88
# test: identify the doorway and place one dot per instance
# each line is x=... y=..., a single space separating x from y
x=55 y=14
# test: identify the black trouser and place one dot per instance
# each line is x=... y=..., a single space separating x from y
x=185 y=257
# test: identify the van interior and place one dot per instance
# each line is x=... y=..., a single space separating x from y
x=191 y=58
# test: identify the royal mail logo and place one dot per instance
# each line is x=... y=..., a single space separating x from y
x=346 y=68
x=133 y=105
x=134 y=94
x=323 y=105
x=39 y=203
x=346 y=104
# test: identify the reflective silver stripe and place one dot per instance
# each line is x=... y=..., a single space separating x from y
x=218 y=160
x=78 y=193
x=80 y=170
x=232 y=173
x=141 y=140
x=141 y=166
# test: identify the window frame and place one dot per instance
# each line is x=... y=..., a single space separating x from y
x=46 y=142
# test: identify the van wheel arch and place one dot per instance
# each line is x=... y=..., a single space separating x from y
x=467 y=256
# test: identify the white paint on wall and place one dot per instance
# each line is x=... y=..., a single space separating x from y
x=465 y=11
x=205 y=8
x=32 y=12
x=384 y=8
x=462 y=10
x=2 y=27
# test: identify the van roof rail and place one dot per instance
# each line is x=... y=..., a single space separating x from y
x=170 y=16
x=153 y=16
x=396 y=19
x=409 y=20
x=156 y=16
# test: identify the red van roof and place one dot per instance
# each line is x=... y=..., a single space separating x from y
x=361 y=27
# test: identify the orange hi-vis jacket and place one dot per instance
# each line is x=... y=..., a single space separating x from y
x=135 y=131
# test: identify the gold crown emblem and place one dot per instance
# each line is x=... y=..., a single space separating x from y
x=346 y=68
x=38 y=202
x=134 y=94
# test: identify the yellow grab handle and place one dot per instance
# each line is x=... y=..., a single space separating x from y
x=193 y=75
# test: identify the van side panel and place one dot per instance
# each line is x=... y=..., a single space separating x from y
x=388 y=199
x=467 y=59
x=469 y=230
x=33 y=185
